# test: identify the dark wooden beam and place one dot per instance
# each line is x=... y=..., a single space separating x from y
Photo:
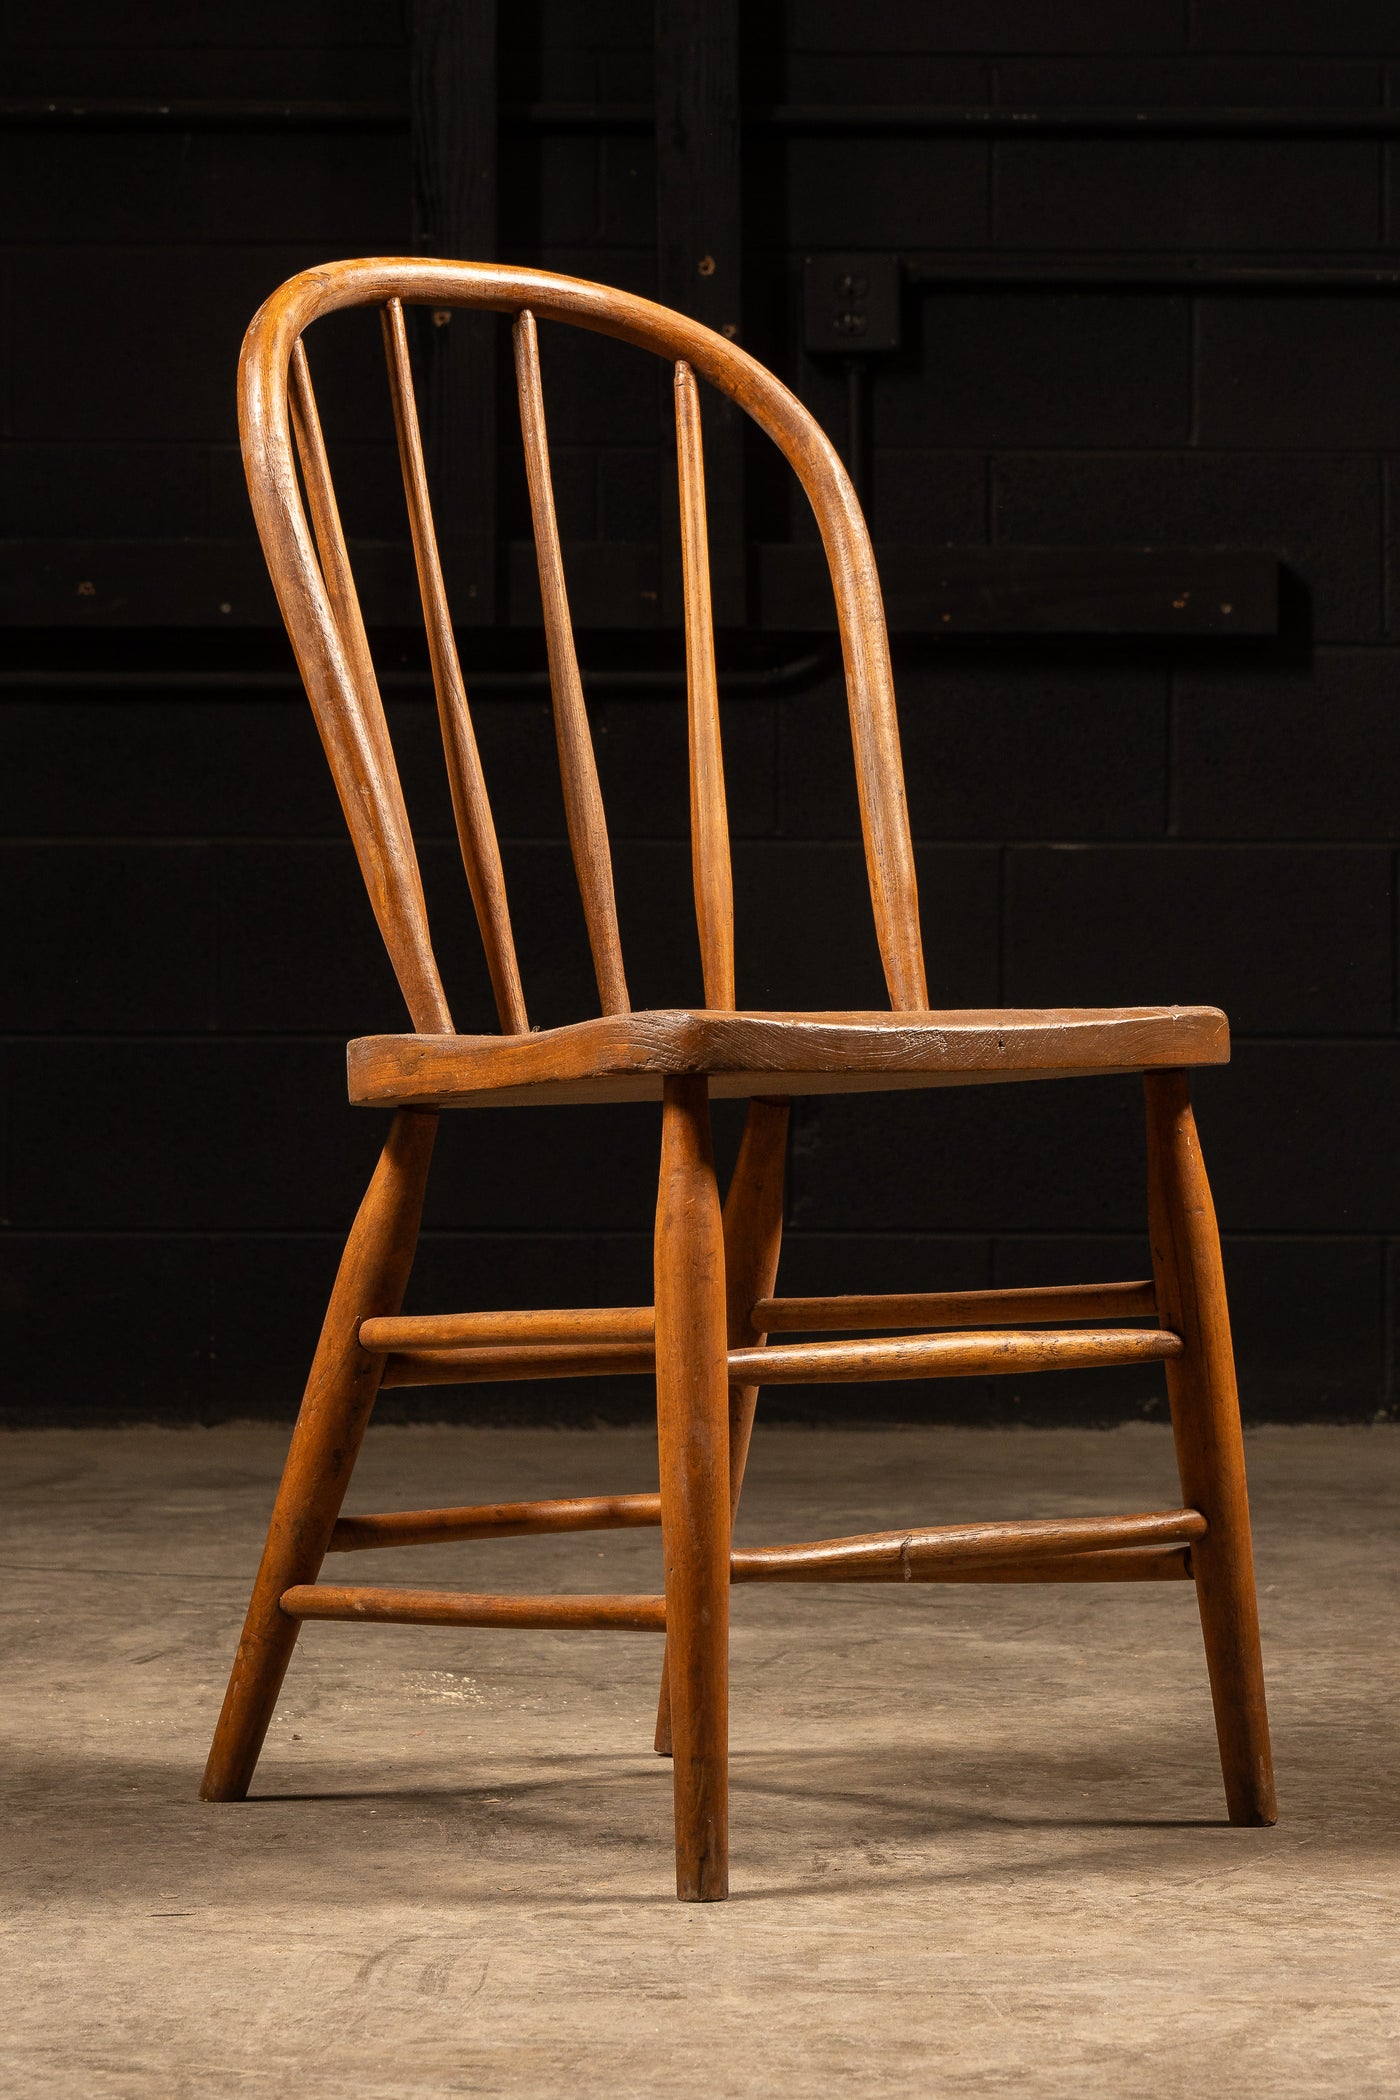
x=453 y=98
x=699 y=250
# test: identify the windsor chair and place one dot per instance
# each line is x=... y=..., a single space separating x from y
x=707 y=1334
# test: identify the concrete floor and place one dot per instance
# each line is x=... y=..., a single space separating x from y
x=977 y=1834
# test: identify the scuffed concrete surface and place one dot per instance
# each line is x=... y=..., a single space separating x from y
x=978 y=1836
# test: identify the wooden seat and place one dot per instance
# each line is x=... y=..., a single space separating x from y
x=717 y=1329
x=627 y=1057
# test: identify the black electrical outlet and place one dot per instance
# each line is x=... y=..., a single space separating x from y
x=851 y=303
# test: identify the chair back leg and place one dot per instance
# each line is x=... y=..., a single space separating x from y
x=692 y=1413
x=335 y=1412
x=1209 y=1447
x=753 y=1232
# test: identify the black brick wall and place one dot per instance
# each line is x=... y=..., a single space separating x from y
x=187 y=942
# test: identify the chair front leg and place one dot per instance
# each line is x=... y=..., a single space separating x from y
x=692 y=1415
x=335 y=1412
x=753 y=1232
x=1209 y=1446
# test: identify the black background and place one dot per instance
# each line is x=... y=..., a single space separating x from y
x=1097 y=820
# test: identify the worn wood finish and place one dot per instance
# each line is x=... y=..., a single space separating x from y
x=1209 y=1445
x=693 y=1435
x=709 y=815
x=1000 y=1352
x=1011 y=1308
x=738 y=376
x=392 y=1607
x=904 y=1556
x=333 y=655
x=471 y=805
x=753 y=1232
x=578 y=768
x=1115 y=1564
x=340 y=1394
x=716 y=1275
x=626 y=1058
x=494 y=1520
x=526 y=1360
x=589 y=1323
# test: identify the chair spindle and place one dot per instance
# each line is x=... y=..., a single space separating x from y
x=578 y=769
x=709 y=816
x=359 y=745
x=471 y=805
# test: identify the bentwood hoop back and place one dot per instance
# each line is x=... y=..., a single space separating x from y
x=707 y=1334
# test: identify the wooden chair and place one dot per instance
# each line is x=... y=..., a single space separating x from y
x=716 y=1268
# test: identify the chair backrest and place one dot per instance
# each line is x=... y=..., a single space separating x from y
x=311 y=574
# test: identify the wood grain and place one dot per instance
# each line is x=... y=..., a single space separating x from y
x=606 y=1323
x=693 y=1437
x=1209 y=1444
x=292 y=309
x=753 y=1232
x=338 y=672
x=709 y=816
x=340 y=1396
x=394 y=1607
x=578 y=768
x=1002 y=1352
x=911 y=1555
x=471 y=805
x=493 y=1520
x=627 y=1057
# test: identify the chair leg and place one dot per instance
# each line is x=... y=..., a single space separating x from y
x=339 y=1398
x=693 y=1435
x=753 y=1231
x=1209 y=1446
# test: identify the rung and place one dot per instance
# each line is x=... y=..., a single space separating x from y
x=1071 y=1301
x=494 y=1520
x=1116 y=1564
x=920 y=1556
x=313 y=1600
x=950 y=1356
x=530 y=1360
x=589 y=1323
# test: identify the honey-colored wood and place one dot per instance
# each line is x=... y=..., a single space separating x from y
x=588 y=1323
x=909 y=1556
x=627 y=1058
x=1115 y=1564
x=753 y=1232
x=578 y=768
x=1000 y=1352
x=1011 y=1308
x=692 y=1419
x=716 y=1275
x=1209 y=1445
x=335 y=1411
x=285 y=316
x=338 y=671
x=471 y=805
x=525 y=1360
x=315 y=1600
x=493 y=1520
x=709 y=816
